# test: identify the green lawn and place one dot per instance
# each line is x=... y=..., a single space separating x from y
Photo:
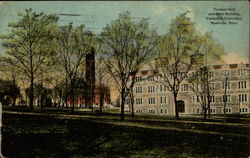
x=105 y=136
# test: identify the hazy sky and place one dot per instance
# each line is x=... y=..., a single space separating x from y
x=95 y=15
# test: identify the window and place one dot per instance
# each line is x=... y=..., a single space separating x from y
x=151 y=100
x=151 y=111
x=138 y=79
x=138 y=89
x=243 y=98
x=151 y=89
x=211 y=86
x=224 y=84
x=241 y=72
x=226 y=72
x=138 y=101
x=127 y=101
x=184 y=87
x=242 y=84
x=243 y=109
x=211 y=74
x=151 y=78
x=163 y=100
x=165 y=88
x=212 y=100
x=139 y=111
x=227 y=98
x=212 y=110
x=198 y=99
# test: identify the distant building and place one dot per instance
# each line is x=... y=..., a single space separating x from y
x=81 y=99
x=91 y=95
x=154 y=98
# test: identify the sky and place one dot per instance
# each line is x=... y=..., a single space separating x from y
x=97 y=14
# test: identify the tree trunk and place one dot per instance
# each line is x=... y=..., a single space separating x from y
x=122 y=104
x=209 y=111
x=176 y=107
x=205 y=113
x=101 y=98
x=42 y=106
x=14 y=101
x=73 y=99
x=61 y=99
x=66 y=92
x=132 y=108
x=26 y=99
x=1 y=130
x=132 y=102
x=31 y=93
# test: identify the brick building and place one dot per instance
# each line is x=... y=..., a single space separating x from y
x=92 y=94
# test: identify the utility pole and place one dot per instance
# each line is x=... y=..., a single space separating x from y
x=225 y=99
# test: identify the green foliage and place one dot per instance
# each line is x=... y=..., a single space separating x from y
x=127 y=46
x=29 y=45
x=9 y=92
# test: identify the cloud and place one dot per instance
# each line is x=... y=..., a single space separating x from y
x=158 y=9
x=234 y=58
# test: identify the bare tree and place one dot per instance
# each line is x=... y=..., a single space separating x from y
x=128 y=45
x=73 y=46
x=202 y=80
x=202 y=84
x=29 y=44
x=102 y=78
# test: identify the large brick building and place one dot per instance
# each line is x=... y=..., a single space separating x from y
x=154 y=98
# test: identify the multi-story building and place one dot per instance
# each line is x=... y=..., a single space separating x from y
x=152 y=97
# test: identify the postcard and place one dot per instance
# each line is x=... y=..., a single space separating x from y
x=124 y=79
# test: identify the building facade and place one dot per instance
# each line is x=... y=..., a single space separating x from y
x=152 y=97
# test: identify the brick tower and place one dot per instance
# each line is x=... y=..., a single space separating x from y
x=90 y=77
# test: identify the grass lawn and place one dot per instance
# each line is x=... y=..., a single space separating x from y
x=105 y=136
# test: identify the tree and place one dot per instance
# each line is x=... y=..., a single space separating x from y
x=102 y=78
x=73 y=46
x=29 y=44
x=173 y=62
x=202 y=80
x=9 y=92
x=128 y=45
x=9 y=85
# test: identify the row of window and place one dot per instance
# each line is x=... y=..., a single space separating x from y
x=241 y=98
x=154 y=111
x=198 y=111
x=163 y=100
x=139 y=101
x=185 y=88
x=243 y=110
x=213 y=111
x=241 y=72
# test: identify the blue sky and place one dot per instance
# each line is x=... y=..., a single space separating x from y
x=95 y=15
